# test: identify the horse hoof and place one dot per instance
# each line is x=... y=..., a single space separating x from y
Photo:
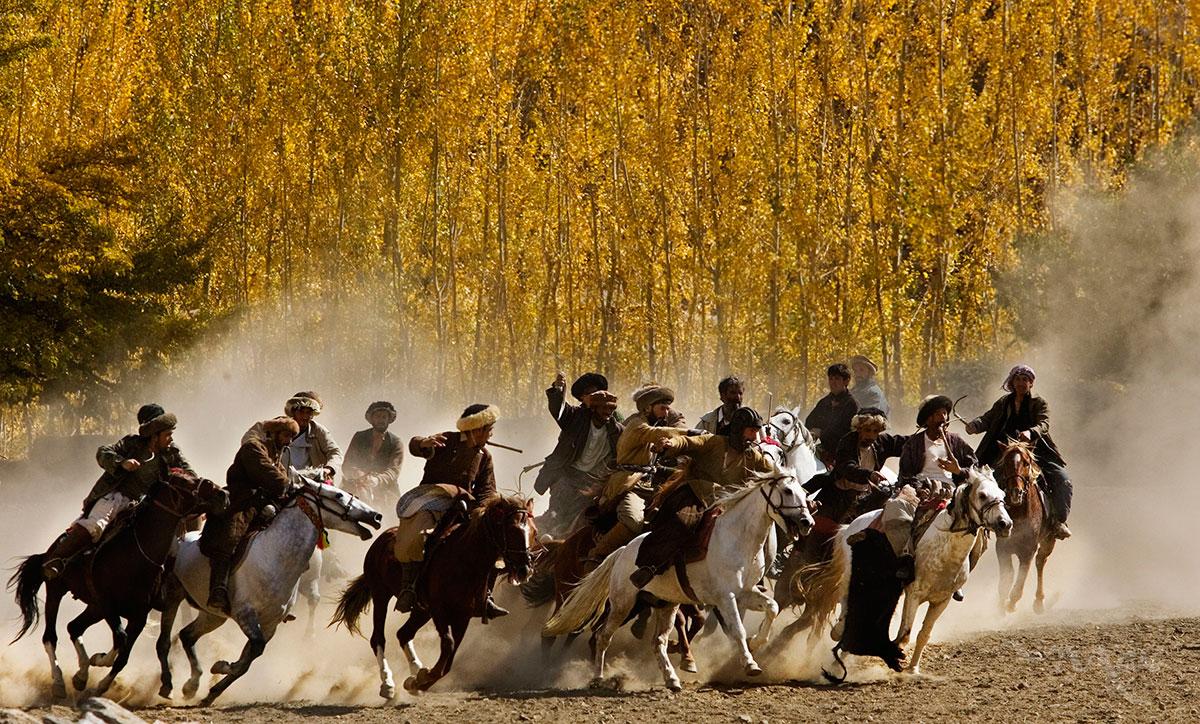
x=753 y=669
x=79 y=680
x=675 y=685
x=165 y=691
x=1038 y=607
x=99 y=660
x=689 y=665
x=221 y=667
x=387 y=691
x=207 y=701
x=410 y=685
x=190 y=689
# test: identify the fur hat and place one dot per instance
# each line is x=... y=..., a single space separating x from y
x=859 y=359
x=867 y=419
x=306 y=400
x=932 y=404
x=148 y=412
x=603 y=399
x=279 y=424
x=651 y=394
x=155 y=425
x=477 y=416
x=381 y=405
x=588 y=380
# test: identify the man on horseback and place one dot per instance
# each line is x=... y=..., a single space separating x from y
x=373 y=460
x=255 y=480
x=313 y=447
x=586 y=449
x=830 y=420
x=626 y=491
x=720 y=465
x=131 y=466
x=457 y=467
x=866 y=389
x=731 y=389
x=1022 y=415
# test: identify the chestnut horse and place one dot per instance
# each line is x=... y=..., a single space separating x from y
x=120 y=579
x=451 y=589
x=1017 y=475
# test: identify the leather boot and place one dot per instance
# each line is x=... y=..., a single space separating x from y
x=490 y=608
x=218 y=585
x=68 y=545
x=616 y=537
x=643 y=576
x=406 y=600
x=1061 y=531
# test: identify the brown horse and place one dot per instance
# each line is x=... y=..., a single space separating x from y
x=120 y=579
x=1017 y=474
x=452 y=587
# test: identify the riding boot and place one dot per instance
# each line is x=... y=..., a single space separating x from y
x=1061 y=531
x=406 y=600
x=616 y=537
x=218 y=585
x=642 y=576
x=69 y=544
x=490 y=608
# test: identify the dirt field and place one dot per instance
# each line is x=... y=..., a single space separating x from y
x=1121 y=668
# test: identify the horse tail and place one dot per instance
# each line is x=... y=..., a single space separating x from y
x=28 y=580
x=586 y=603
x=827 y=582
x=353 y=602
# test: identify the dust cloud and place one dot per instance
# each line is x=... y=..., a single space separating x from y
x=1107 y=306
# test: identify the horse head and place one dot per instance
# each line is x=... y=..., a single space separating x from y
x=1018 y=472
x=182 y=494
x=787 y=505
x=979 y=503
x=799 y=446
x=339 y=509
x=508 y=522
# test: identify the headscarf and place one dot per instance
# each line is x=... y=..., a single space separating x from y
x=1017 y=370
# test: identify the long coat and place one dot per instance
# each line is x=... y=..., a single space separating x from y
x=912 y=456
x=255 y=478
x=134 y=484
x=832 y=415
x=322 y=450
x=459 y=464
x=574 y=422
x=633 y=448
x=994 y=422
x=713 y=472
x=384 y=464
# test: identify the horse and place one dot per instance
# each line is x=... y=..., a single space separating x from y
x=451 y=589
x=1018 y=474
x=942 y=552
x=119 y=579
x=726 y=578
x=263 y=585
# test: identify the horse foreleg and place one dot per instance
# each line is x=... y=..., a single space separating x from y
x=75 y=630
x=1004 y=588
x=451 y=634
x=162 y=646
x=757 y=600
x=202 y=624
x=136 y=623
x=931 y=617
x=663 y=618
x=54 y=595
x=732 y=618
x=405 y=635
x=1045 y=548
x=686 y=660
x=1018 y=588
x=907 y=618
x=379 y=611
x=119 y=635
x=256 y=643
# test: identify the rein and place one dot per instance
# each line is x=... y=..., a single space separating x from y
x=969 y=525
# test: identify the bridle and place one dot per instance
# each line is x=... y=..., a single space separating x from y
x=779 y=507
x=975 y=515
x=796 y=438
x=178 y=495
x=498 y=539
x=1023 y=477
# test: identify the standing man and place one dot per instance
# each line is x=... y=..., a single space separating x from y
x=256 y=479
x=731 y=390
x=131 y=466
x=830 y=420
x=1022 y=415
x=866 y=390
x=586 y=451
x=313 y=447
x=373 y=460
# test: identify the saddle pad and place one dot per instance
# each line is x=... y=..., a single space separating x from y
x=426 y=497
x=697 y=548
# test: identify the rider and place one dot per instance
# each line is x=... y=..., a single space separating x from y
x=372 y=466
x=313 y=447
x=829 y=421
x=457 y=466
x=866 y=390
x=131 y=466
x=1022 y=415
x=655 y=420
x=731 y=389
x=586 y=449
x=254 y=481
x=720 y=465
x=861 y=454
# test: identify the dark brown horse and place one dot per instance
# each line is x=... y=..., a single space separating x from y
x=1017 y=474
x=119 y=580
x=451 y=589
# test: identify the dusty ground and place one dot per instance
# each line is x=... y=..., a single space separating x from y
x=1121 y=668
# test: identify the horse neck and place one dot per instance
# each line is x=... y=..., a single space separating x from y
x=289 y=540
x=155 y=529
x=748 y=523
x=957 y=541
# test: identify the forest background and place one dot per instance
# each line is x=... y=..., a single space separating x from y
x=452 y=200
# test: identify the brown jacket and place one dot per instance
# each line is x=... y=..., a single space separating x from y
x=255 y=478
x=717 y=469
x=384 y=464
x=459 y=464
x=633 y=448
x=134 y=484
x=322 y=450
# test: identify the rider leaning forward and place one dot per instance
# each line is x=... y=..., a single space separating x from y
x=457 y=467
x=131 y=466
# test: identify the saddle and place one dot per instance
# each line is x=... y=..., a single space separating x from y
x=696 y=548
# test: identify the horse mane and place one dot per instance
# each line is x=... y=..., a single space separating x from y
x=510 y=504
x=1005 y=468
x=760 y=479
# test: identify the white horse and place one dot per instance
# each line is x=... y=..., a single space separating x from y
x=798 y=445
x=264 y=585
x=726 y=578
x=941 y=555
